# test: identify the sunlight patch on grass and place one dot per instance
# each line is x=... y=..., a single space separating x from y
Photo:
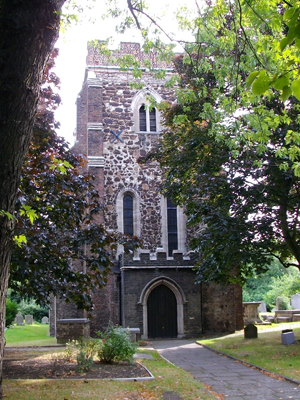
x=266 y=351
x=29 y=335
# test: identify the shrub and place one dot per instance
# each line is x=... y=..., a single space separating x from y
x=31 y=308
x=84 y=351
x=116 y=345
x=11 y=312
x=89 y=347
x=84 y=363
x=71 y=350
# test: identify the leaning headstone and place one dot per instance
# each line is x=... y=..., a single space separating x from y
x=250 y=331
x=19 y=319
x=262 y=307
x=28 y=319
x=287 y=337
x=279 y=303
x=45 y=320
x=295 y=301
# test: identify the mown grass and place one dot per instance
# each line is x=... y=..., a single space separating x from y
x=29 y=335
x=168 y=378
x=266 y=351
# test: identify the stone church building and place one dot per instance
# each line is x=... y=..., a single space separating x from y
x=153 y=288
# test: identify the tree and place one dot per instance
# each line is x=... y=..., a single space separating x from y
x=63 y=204
x=28 y=31
x=229 y=155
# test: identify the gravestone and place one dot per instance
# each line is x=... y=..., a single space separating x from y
x=45 y=320
x=279 y=303
x=250 y=332
x=295 y=301
x=262 y=307
x=28 y=319
x=19 y=319
x=287 y=337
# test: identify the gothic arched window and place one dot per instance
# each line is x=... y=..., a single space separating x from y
x=147 y=119
x=128 y=214
x=172 y=227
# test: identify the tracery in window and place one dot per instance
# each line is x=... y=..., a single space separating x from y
x=147 y=119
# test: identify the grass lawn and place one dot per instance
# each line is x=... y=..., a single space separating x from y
x=29 y=335
x=168 y=378
x=266 y=351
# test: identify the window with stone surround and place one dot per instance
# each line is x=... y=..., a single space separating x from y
x=128 y=214
x=173 y=227
x=146 y=117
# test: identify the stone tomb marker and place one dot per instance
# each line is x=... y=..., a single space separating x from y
x=19 y=319
x=262 y=308
x=250 y=332
x=295 y=301
x=287 y=337
x=28 y=319
x=45 y=320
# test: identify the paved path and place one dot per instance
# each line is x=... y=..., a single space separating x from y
x=234 y=380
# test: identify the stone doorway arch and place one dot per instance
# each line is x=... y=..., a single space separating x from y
x=180 y=301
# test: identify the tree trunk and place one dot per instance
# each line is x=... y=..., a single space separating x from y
x=28 y=31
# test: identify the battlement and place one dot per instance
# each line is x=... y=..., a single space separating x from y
x=158 y=259
x=97 y=58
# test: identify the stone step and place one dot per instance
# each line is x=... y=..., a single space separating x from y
x=280 y=320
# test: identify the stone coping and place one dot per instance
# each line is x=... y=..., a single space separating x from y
x=73 y=321
x=286 y=312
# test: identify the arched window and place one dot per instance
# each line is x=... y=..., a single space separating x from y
x=128 y=214
x=172 y=227
x=142 y=115
x=147 y=119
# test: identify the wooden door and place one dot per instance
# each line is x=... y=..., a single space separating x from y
x=162 y=313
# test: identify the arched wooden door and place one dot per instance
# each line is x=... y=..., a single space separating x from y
x=162 y=313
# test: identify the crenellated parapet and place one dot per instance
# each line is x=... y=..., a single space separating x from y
x=159 y=259
x=100 y=58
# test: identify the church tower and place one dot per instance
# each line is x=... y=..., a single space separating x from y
x=152 y=288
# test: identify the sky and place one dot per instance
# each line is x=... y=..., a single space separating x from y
x=72 y=44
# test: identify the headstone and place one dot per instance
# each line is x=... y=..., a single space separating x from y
x=250 y=332
x=28 y=319
x=45 y=320
x=279 y=305
x=287 y=337
x=262 y=307
x=295 y=301
x=19 y=319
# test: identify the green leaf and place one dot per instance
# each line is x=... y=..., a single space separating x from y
x=251 y=78
x=281 y=82
x=6 y=214
x=68 y=165
x=297 y=31
x=20 y=239
x=261 y=84
x=28 y=212
x=297 y=43
x=288 y=14
x=284 y=42
x=286 y=92
x=296 y=88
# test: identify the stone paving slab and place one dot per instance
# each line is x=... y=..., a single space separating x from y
x=224 y=375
